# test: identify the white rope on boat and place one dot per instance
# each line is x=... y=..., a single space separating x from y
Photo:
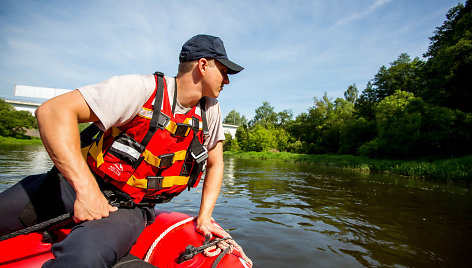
x=168 y=230
x=209 y=252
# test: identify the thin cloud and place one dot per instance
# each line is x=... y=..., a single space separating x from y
x=361 y=14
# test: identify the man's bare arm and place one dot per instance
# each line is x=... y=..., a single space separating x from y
x=211 y=190
x=58 y=120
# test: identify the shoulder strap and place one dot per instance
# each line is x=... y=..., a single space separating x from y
x=153 y=125
x=174 y=102
x=204 y=120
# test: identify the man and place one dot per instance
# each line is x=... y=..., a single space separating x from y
x=122 y=107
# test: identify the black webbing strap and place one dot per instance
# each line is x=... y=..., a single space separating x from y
x=204 y=120
x=153 y=125
x=86 y=136
x=175 y=98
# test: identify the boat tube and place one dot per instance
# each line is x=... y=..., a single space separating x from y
x=171 y=241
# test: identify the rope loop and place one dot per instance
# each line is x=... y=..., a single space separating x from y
x=217 y=247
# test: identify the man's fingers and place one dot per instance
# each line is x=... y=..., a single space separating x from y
x=220 y=233
x=112 y=208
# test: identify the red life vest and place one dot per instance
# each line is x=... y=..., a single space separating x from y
x=157 y=154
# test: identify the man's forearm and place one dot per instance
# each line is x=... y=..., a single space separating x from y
x=212 y=183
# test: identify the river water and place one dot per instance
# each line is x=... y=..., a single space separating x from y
x=302 y=215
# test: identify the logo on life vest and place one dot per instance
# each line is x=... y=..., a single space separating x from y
x=116 y=168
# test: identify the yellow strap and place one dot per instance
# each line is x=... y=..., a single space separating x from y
x=85 y=151
x=172 y=126
x=115 y=131
x=96 y=152
x=174 y=180
x=155 y=160
x=166 y=182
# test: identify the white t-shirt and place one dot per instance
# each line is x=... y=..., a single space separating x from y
x=118 y=100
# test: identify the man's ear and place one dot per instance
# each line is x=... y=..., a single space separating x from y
x=202 y=65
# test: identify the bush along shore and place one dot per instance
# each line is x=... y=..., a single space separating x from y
x=457 y=170
x=14 y=141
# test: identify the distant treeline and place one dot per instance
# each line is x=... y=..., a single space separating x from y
x=14 y=123
x=413 y=108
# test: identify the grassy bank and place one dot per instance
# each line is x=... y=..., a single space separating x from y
x=456 y=170
x=26 y=140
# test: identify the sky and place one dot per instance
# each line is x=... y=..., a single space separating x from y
x=292 y=51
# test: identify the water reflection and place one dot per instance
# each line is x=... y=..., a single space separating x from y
x=300 y=215
x=339 y=217
x=18 y=161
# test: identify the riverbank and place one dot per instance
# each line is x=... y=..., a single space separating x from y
x=458 y=170
x=14 y=141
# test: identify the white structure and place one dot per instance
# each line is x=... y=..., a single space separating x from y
x=231 y=129
x=24 y=106
x=47 y=93
x=38 y=92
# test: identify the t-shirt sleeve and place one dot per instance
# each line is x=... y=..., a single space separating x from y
x=117 y=100
x=215 y=126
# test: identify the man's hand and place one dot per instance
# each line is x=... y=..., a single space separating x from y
x=208 y=228
x=91 y=205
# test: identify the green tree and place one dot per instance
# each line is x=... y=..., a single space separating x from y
x=351 y=94
x=355 y=133
x=14 y=123
x=398 y=127
x=284 y=117
x=366 y=102
x=242 y=138
x=265 y=115
x=262 y=138
x=403 y=74
x=447 y=71
x=235 y=118
x=319 y=130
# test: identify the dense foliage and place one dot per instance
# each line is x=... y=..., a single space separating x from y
x=234 y=118
x=413 y=108
x=14 y=123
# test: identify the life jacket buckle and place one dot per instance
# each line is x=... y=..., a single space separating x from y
x=154 y=182
x=182 y=129
x=195 y=124
x=166 y=160
x=201 y=153
x=163 y=121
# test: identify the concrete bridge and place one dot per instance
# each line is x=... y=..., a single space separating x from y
x=47 y=93
x=23 y=106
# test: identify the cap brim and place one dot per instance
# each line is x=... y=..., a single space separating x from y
x=233 y=68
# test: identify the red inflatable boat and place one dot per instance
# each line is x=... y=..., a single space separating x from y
x=161 y=244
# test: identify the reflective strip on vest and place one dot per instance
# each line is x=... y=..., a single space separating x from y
x=126 y=149
x=166 y=181
x=156 y=161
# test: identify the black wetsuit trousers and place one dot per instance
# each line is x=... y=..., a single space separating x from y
x=97 y=243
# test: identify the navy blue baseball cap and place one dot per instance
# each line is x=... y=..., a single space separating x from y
x=207 y=46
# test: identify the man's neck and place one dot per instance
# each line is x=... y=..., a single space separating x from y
x=188 y=92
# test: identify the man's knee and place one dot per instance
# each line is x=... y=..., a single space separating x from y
x=100 y=243
x=88 y=251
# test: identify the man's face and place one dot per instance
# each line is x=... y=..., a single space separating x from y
x=215 y=79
